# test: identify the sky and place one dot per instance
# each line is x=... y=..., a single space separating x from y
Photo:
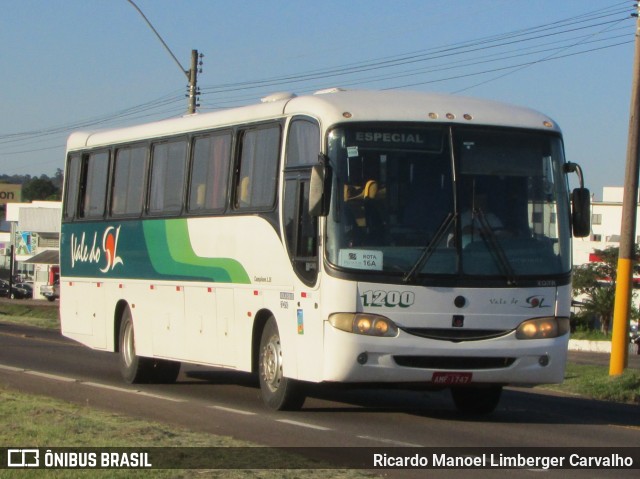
x=87 y=64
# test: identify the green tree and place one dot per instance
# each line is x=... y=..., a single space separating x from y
x=40 y=189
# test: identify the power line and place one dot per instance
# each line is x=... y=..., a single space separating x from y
x=467 y=47
x=479 y=46
x=543 y=59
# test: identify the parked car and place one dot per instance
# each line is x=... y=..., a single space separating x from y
x=28 y=287
x=16 y=292
x=51 y=292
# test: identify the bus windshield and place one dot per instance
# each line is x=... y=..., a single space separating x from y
x=419 y=201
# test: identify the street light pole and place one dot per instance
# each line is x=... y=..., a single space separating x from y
x=191 y=74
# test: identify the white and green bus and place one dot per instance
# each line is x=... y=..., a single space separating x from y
x=351 y=237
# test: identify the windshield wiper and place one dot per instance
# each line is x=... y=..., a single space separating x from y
x=429 y=249
x=489 y=237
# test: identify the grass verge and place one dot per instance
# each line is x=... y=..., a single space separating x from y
x=42 y=316
x=591 y=335
x=594 y=382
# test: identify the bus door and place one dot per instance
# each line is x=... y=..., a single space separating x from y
x=301 y=238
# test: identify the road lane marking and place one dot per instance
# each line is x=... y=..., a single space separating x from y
x=235 y=411
x=389 y=441
x=303 y=424
x=55 y=377
x=107 y=386
x=158 y=396
x=12 y=368
x=66 y=379
x=130 y=391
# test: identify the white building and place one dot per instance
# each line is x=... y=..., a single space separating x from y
x=35 y=232
x=606 y=219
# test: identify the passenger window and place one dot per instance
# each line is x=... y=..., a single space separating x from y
x=258 y=168
x=129 y=175
x=209 y=173
x=72 y=186
x=168 y=164
x=93 y=185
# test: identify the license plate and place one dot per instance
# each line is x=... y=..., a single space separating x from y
x=451 y=379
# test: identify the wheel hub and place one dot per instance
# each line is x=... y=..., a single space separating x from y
x=128 y=351
x=272 y=364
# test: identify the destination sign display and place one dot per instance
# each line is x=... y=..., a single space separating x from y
x=423 y=139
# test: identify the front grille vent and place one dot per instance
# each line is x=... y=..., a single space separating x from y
x=457 y=334
x=453 y=363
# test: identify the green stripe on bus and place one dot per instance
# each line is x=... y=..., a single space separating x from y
x=171 y=254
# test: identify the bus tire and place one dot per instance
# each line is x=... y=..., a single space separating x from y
x=278 y=392
x=476 y=400
x=133 y=368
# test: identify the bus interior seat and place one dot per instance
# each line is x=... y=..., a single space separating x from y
x=356 y=196
x=243 y=196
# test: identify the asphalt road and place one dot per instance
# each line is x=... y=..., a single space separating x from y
x=227 y=403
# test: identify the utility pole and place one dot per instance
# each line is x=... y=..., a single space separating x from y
x=193 y=82
x=620 y=336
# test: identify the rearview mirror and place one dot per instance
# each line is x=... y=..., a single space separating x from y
x=581 y=212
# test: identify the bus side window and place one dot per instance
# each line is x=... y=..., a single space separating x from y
x=209 y=172
x=72 y=185
x=258 y=169
x=129 y=176
x=93 y=184
x=168 y=165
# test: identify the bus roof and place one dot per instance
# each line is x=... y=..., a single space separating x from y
x=331 y=107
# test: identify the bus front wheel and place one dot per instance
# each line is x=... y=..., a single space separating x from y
x=135 y=369
x=476 y=400
x=278 y=392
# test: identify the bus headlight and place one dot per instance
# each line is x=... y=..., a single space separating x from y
x=543 y=328
x=362 y=323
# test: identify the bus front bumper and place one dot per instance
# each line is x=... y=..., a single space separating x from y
x=353 y=358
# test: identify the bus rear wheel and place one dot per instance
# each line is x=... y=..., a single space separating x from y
x=278 y=392
x=476 y=400
x=135 y=369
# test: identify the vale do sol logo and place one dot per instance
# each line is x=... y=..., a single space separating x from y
x=105 y=253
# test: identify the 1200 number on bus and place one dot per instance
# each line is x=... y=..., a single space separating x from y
x=388 y=299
